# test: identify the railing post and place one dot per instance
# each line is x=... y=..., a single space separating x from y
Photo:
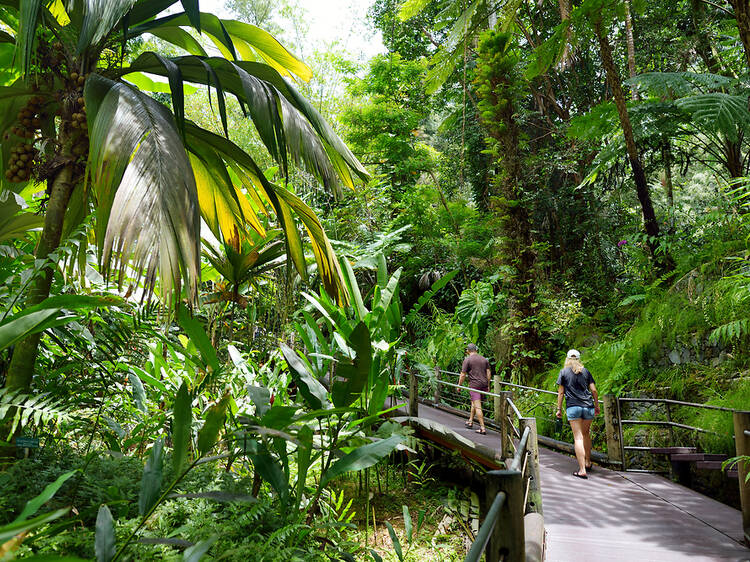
x=413 y=394
x=507 y=539
x=437 y=385
x=611 y=428
x=496 y=399
x=742 y=442
x=505 y=429
x=534 y=501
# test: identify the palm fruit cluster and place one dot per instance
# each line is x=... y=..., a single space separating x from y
x=21 y=162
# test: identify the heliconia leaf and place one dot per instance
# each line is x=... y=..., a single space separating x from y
x=7 y=532
x=219 y=496
x=104 y=540
x=407 y=523
x=352 y=375
x=151 y=479
x=362 y=457
x=181 y=427
x=304 y=453
x=272 y=472
x=394 y=540
x=198 y=337
x=313 y=392
x=33 y=505
x=198 y=550
x=139 y=394
x=215 y=417
x=353 y=288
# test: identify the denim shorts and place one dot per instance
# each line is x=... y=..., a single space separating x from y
x=579 y=412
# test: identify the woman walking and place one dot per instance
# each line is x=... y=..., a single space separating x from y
x=581 y=405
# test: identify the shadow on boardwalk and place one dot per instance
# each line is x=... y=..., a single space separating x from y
x=615 y=516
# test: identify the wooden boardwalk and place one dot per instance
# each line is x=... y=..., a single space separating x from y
x=616 y=516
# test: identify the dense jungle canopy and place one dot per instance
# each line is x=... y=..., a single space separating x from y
x=223 y=244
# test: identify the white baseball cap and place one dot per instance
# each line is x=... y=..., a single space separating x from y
x=574 y=354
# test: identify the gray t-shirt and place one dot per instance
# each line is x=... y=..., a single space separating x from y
x=577 y=391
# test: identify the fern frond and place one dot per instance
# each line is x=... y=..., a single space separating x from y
x=731 y=331
x=39 y=410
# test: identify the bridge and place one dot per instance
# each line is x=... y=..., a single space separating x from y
x=534 y=509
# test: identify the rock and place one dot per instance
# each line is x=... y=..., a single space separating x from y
x=674 y=357
x=685 y=358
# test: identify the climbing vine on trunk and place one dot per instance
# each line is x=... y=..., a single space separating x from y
x=499 y=86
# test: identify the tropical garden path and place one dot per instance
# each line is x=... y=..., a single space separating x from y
x=616 y=516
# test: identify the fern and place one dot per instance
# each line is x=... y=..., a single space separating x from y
x=678 y=84
x=718 y=112
x=40 y=409
x=731 y=331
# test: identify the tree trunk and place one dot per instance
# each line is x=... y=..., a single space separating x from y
x=650 y=224
x=742 y=14
x=21 y=366
x=702 y=40
x=564 y=15
x=631 y=45
x=666 y=154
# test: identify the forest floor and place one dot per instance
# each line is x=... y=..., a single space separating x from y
x=447 y=515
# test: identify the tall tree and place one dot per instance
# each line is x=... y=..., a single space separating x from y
x=499 y=87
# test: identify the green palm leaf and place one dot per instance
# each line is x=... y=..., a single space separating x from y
x=718 y=112
x=97 y=17
x=148 y=207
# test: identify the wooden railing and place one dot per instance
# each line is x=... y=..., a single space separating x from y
x=512 y=494
x=507 y=496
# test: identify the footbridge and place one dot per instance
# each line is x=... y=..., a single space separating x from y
x=629 y=509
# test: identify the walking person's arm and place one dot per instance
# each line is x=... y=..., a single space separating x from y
x=489 y=377
x=595 y=395
x=461 y=378
x=560 y=394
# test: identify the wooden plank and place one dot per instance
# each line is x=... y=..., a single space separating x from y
x=692 y=457
x=671 y=450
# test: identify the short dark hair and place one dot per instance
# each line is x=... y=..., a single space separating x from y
x=471 y=347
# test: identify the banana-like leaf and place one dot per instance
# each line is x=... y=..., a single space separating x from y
x=215 y=416
x=140 y=172
x=7 y=532
x=352 y=374
x=13 y=224
x=180 y=38
x=362 y=457
x=33 y=505
x=313 y=392
x=151 y=479
x=353 y=288
x=181 y=427
x=104 y=540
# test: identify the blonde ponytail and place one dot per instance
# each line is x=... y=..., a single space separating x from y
x=575 y=364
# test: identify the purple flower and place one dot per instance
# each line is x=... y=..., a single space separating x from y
x=621 y=243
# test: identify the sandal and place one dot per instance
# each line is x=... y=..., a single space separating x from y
x=589 y=468
x=481 y=431
x=580 y=475
x=469 y=424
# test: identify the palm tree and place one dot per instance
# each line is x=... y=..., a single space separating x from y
x=73 y=120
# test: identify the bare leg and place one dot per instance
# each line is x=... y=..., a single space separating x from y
x=586 y=430
x=471 y=414
x=477 y=405
x=577 y=427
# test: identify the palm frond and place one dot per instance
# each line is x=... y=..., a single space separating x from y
x=39 y=409
x=141 y=175
x=285 y=121
x=97 y=17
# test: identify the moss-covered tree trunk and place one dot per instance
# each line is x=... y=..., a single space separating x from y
x=21 y=368
x=498 y=88
x=742 y=14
